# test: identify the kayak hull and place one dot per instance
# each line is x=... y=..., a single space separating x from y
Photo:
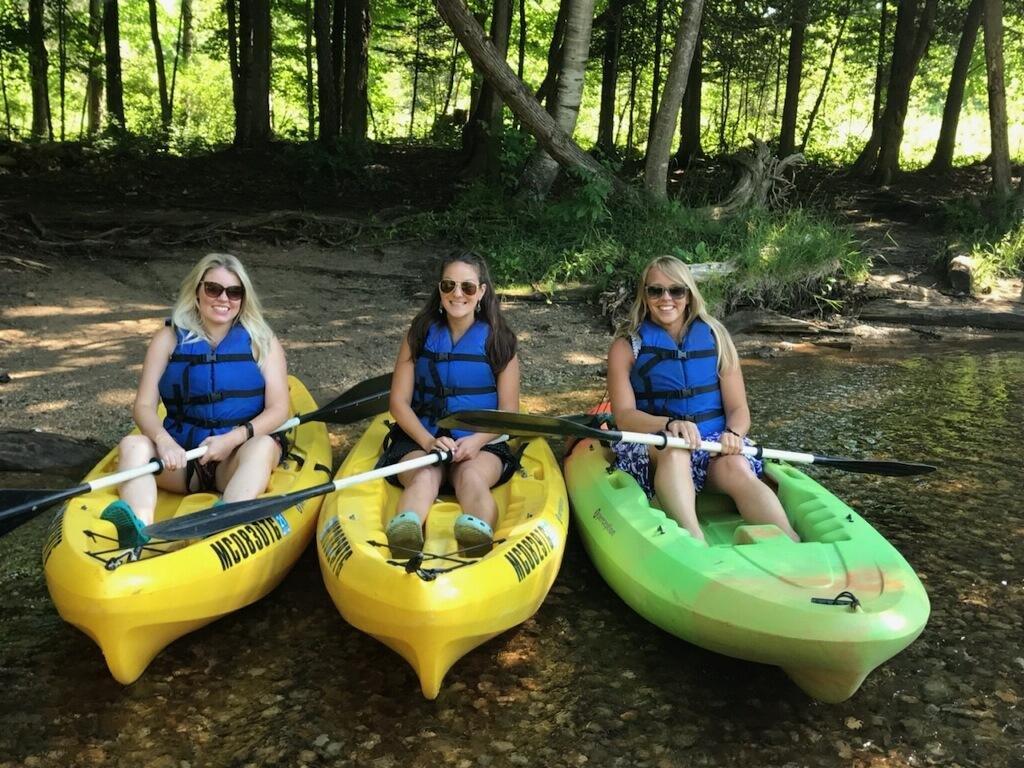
x=753 y=593
x=133 y=610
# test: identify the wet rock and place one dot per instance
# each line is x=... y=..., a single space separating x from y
x=308 y=756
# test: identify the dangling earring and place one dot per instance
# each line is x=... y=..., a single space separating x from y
x=477 y=308
x=440 y=310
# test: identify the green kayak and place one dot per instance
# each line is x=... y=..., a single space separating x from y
x=827 y=610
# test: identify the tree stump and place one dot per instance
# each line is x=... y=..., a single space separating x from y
x=763 y=181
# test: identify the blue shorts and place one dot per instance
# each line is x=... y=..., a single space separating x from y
x=635 y=460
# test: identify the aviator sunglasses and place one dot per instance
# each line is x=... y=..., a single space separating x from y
x=675 y=291
x=468 y=287
x=214 y=290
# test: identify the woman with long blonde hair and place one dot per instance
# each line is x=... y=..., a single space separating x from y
x=673 y=368
x=221 y=375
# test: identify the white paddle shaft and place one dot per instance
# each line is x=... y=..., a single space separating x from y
x=662 y=441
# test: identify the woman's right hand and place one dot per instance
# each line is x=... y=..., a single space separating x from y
x=687 y=430
x=444 y=443
x=170 y=453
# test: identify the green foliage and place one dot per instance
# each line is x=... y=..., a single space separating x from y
x=790 y=259
x=992 y=233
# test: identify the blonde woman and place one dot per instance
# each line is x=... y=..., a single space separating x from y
x=673 y=368
x=221 y=375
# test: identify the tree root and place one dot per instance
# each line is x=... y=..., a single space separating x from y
x=763 y=181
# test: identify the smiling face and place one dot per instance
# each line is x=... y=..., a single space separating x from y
x=456 y=303
x=662 y=308
x=218 y=311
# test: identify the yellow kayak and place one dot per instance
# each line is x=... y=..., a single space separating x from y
x=134 y=609
x=435 y=613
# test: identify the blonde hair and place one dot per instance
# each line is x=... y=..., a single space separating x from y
x=250 y=314
x=680 y=274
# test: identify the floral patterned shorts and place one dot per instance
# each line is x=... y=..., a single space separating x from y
x=635 y=460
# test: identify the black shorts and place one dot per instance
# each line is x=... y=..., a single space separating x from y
x=202 y=478
x=397 y=444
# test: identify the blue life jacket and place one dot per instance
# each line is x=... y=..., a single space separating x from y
x=451 y=378
x=681 y=380
x=210 y=391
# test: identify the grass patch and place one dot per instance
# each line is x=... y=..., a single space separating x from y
x=991 y=232
x=792 y=259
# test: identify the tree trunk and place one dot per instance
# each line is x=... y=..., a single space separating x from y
x=659 y=34
x=482 y=140
x=522 y=39
x=547 y=85
x=234 y=62
x=658 y=146
x=533 y=117
x=541 y=170
x=161 y=74
x=450 y=87
x=338 y=57
x=252 y=123
x=310 y=89
x=3 y=89
x=1000 y=157
x=188 y=34
x=880 y=157
x=112 y=45
x=881 y=73
x=942 y=160
x=723 y=110
x=357 y=52
x=794 y=72
x=824 y=81
x=94 y=77
x=62 y=62
x=634 y=74
x=38 y=64
x=326 y=87
x=416 y=70
x=689 y=123
x=609 y=77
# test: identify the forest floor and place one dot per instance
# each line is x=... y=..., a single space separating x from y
x=92 y=248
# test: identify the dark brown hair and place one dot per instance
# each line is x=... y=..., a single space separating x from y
x=501 y=343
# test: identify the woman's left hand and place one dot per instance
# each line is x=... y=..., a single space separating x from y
x=221 y=446
x=731 y=443
x=468 y=448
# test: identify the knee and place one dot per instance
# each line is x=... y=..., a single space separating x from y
x=733 y=470
x=469 y=479
x=263 y=449
x=675 y=458
x=427 y=479
x=136 y=450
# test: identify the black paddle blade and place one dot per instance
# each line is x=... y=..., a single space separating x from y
x=365 y=399
x=19 y=505
x=207 y=522
x=520 y=424
x=875 y=466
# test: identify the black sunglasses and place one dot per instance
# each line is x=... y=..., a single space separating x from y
x=214 y=290
x=675 y=291
x=468 y=287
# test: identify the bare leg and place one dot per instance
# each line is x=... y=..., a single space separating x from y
x=246 y=473
x=673 y=482
x=140 y=493
x=472 y=481
x=755 y=501
x=421 y=487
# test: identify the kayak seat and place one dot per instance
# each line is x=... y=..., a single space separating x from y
x=754 y=534
x=817 y=521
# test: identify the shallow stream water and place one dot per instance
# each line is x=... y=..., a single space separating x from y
x=586 y=681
